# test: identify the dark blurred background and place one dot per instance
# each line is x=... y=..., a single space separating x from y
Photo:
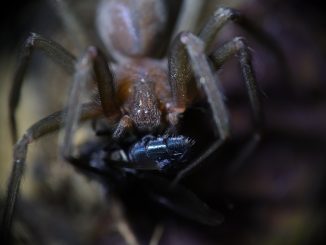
x=275 y=197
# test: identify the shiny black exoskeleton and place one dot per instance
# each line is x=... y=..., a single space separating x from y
x=160 y=152
x=123 y=170
x=151 y=153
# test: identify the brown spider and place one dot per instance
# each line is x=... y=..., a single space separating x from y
x=137 y=93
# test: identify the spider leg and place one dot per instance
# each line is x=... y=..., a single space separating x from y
x=157 y=234
x=179 y=76
x=45 y=126
x=51 y=49
x=91 y=64
x=238 y=47
x=209 y=83
x=180 y=71
x=72 y=24
x=223 y=15
x=189 y=15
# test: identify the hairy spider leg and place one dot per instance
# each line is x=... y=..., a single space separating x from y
x=80 y=79
x=219 y=57
x=45 y=126
x=224 y=15
x=34 y=42
x=91 y=64
x=180 y=72
x=209 y=83
x=238 y=48
x=72 y=24
x=101 y=75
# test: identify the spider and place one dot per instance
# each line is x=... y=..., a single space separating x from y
x=135 y=93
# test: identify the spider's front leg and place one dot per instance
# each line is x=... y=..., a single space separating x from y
x=45 y=126
x=195 y=49
x=188 y=44
x=92 y=65
x=55 y=51
x=238 y=47
x=71 y=23
x=180 y=74
x=224 y=15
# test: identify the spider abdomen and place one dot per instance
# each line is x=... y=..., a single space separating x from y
x=161 y=151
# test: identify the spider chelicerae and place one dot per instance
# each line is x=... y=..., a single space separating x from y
x=139 y=95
